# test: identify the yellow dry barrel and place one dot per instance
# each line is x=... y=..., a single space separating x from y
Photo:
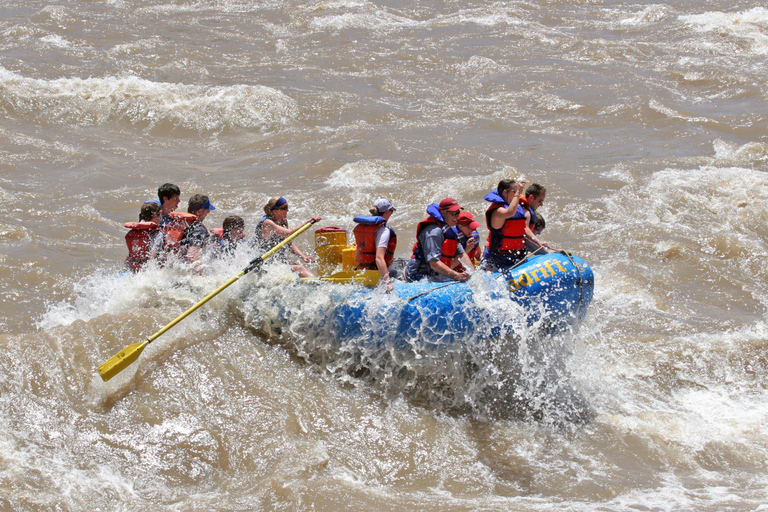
x=348 y=258
x=329 y=243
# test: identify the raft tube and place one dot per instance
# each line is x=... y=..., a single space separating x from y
x=552 y=289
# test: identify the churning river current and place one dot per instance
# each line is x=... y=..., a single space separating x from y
x=647 y=123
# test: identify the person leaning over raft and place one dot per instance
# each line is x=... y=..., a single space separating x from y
x=376 y=241
x=273 y=228
x=506 y=226
x=437 y=244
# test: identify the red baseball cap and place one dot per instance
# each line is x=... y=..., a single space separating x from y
x=468 y=219
x=450 y=204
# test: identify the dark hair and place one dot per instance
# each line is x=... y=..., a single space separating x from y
x=535 y=190
x=148 y=210
x=505 y=185
x=196 y=202
x=232 y=222
x=167 y=191
x=540 y=223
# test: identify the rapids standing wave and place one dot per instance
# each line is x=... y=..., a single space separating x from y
x=139 y=101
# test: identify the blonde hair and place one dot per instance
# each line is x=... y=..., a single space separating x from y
x=269 y=211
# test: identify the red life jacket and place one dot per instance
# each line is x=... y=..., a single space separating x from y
x=365 y=237
x=511 y=237
x=137 y=240
x=174 y=231
x=219 y=232
x=447 y=250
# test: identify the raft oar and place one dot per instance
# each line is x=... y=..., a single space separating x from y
x=129 y=354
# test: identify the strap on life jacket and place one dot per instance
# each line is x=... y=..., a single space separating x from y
x=365 y=237
x=174 y=231
x=511 y=236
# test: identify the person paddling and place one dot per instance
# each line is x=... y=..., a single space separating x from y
x=376 y=241
x=437 y=245
x=273 y=228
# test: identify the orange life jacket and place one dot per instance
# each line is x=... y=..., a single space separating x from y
x=365 y=237
x=138 y=239
x=174 y=231
x=511 y=237
x=447 y=250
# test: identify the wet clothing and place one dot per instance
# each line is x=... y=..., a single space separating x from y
x=265 y=244
x=195 y=235
x=221 y=245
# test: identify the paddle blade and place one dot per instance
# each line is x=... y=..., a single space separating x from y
x=121 y=360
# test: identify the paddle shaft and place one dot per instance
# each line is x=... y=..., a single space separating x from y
x=128 y=355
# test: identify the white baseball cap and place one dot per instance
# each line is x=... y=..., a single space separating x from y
x=383 y=205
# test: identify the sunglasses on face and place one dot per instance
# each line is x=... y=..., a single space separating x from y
x=452 y=214
x=281 y=208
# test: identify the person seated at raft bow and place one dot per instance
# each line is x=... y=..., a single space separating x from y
x=229 y=235
x=376 y=241
x=437 y=245
x=531 y=201
x=273 y=228
x=469 y=238
x=196 y=236
x=145 y=238
x=506 y=226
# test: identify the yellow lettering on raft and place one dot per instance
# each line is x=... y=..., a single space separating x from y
x=535 y=271
x=527 y=279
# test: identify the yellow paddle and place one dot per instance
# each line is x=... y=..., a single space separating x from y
x=129 y=354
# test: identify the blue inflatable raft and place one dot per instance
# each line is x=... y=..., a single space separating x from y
x=553 y=289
